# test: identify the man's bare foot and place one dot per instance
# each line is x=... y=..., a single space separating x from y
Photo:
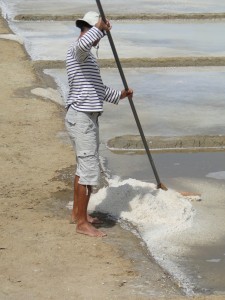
x=88 y=229
x=90 y=219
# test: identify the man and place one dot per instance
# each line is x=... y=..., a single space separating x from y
x=85 y=104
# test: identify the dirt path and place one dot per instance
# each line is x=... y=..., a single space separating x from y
x=41 y=256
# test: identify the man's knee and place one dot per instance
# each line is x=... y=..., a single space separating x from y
x=88 y=169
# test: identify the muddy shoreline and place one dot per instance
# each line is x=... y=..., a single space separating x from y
x=160 y=144
x=142 y=17
x=142 y=62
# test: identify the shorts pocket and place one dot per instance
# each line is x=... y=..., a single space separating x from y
x=84 y=153
x=88 y=167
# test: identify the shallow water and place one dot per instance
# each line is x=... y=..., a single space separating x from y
x=169 y=165
x=210 y=264
x=169 y=101
x=151 y=39
x=198 y=251
x=67 y=7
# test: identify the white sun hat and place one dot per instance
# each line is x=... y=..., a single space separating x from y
x=90 y=18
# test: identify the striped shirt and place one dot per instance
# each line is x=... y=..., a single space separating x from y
x=86 y=89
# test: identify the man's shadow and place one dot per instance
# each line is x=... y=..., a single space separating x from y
x=116 y=201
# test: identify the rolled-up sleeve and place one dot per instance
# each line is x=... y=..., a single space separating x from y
x=84 y=43
x=111 y=95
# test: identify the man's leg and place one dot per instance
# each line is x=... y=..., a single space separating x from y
x=75 y=197
x=83 y=225
x=75 y=206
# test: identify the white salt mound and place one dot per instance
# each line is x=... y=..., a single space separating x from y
x=153 y=211
x=158 y=216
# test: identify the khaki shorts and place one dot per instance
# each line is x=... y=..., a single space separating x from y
x=84 y=133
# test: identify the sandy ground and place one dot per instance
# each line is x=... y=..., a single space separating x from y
x=41 y=256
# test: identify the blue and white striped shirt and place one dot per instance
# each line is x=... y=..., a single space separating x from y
x=86 y=89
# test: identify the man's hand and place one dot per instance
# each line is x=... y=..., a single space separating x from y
x=128 y=93
x=101 y=25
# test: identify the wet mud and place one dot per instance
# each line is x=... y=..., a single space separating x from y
x=141 y=62
x=167 y=144
x=163 y=16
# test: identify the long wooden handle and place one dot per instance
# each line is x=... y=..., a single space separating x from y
x=159 y=184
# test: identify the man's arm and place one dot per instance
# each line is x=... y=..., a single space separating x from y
x=114 y=96
x=86 y=41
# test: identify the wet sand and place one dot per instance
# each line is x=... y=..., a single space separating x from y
x=41 y=255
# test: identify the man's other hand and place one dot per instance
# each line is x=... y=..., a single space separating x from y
x=128 y=93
